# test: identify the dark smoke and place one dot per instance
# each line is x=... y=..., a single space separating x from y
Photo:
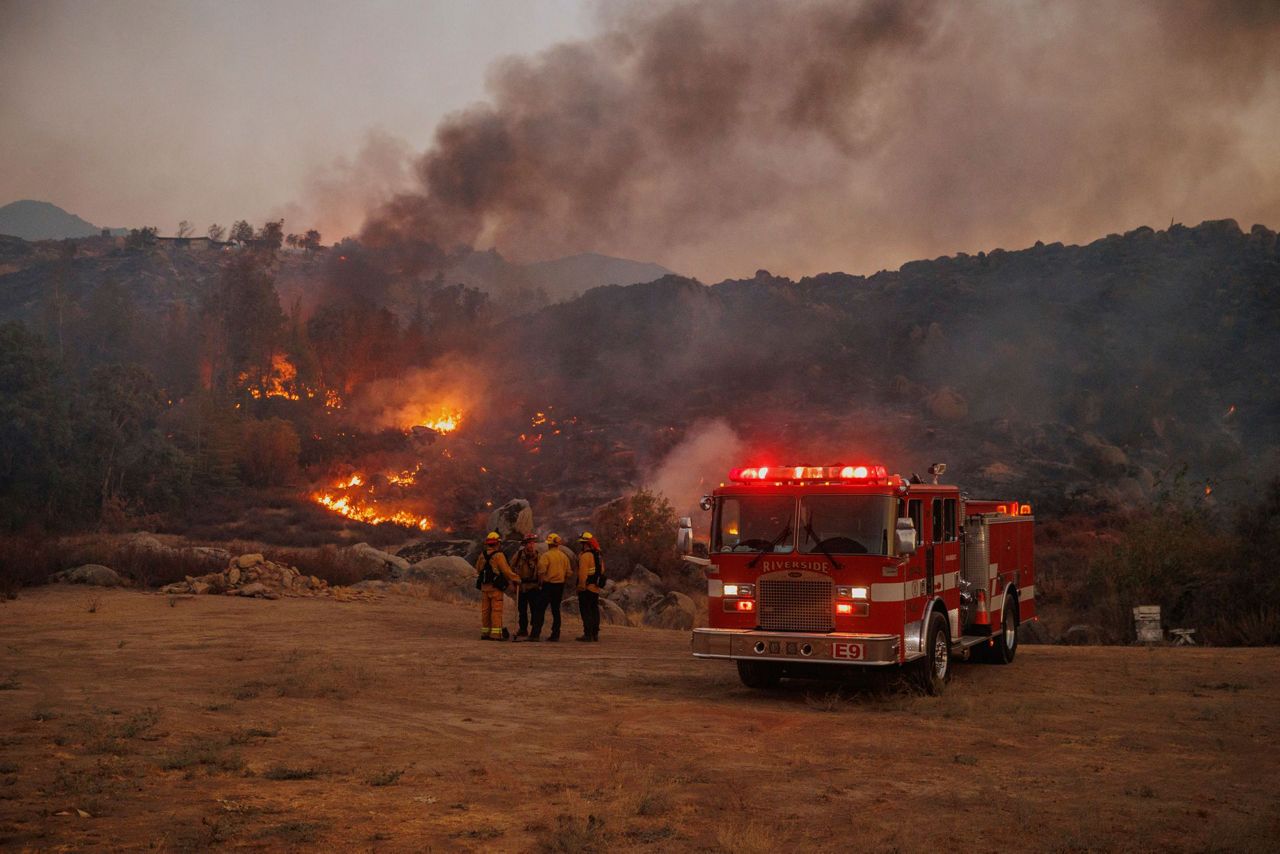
x=718 y=137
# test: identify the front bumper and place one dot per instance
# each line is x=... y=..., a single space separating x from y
x=797 y=647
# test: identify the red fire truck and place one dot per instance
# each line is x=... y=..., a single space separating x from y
x=818 y=567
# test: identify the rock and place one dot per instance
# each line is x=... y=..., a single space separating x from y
x=370 y=584
x=946 y=404
x=249 y=560
x=233 y=576
x=673 y=611
x=612 y=613
x=214 y=555
x=512 y=520
x=147 y=543
x=199 y=587
x=451 y=573
x=634 y=595
x=255 y=589
x=380 y=563
x=93 y=574
x=1033 y=632
x=1082 y=635
x=415 y=552
x=641 y=574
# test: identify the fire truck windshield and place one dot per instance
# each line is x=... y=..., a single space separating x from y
x=846 y=524
x=750 y=523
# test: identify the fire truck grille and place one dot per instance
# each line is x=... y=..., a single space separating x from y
x=795 y=606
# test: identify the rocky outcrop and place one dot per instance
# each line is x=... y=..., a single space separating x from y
x=379 y=564
x=673 y=611
x=512 y=520
x=449 y=572
x=253 y=576
x=415 y=552
x=93 y=574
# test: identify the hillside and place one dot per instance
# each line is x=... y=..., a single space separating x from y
x=32 y=220
x=255 y=723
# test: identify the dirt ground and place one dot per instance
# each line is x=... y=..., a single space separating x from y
x=141 y=721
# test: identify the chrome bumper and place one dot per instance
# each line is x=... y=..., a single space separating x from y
x=796 y=647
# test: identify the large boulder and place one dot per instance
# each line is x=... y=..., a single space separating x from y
x=448 y=572
x=1083 y=635
x=379 y=563
x=415 y=552
x=946 y=404
x=93 y=574
x=512 y=520
x=673 y=611
x=634 y=594
x=612 y=613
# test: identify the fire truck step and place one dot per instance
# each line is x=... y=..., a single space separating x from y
x=972 y=640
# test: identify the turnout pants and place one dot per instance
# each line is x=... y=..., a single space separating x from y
x=491 y=612
x=589 y=608
x=527 y=605
x=551 y=596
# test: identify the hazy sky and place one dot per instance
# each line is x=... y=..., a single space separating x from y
x=714 y=137
x=134 y=113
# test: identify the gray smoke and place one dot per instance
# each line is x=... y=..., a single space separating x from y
x=722 y=136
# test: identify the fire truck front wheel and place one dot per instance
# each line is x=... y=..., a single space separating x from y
x=759 y=674
x=934 y=670
x=1006 y=641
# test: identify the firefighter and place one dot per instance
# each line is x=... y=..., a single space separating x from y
x=525 y=565
x=554 y=570
x=493 y=575
x=590 y=586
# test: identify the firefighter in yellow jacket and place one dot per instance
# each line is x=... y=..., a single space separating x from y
x=493 y=575
x=554 y=569
x=590 y=586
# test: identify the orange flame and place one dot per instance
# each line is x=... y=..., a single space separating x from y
x=361 y=509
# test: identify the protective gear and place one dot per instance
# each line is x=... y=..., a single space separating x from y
x=589 y=608
x=494 y=537
x=529 y=538
x=591 y=571
x=553 y=539
x=554 y=566
x=587 y=537
x=525 y=565
x=492 y=564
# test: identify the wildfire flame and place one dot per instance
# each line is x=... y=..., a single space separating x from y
x=442 y=419
x=361 y=507
x=281 y=380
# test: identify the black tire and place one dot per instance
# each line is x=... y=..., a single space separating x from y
x=1006 y=639
x=759 y=674
x=934 y=670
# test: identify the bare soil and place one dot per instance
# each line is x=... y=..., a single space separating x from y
x=141 y=721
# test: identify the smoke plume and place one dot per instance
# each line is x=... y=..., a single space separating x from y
x=722 y=136
x=693 y=468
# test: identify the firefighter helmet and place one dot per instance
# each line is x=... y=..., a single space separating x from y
x=493 y=537
x=587 y=537
x=552 y=539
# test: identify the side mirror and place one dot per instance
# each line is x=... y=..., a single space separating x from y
x=705 y=503
x=684 y=536
x=904 y=537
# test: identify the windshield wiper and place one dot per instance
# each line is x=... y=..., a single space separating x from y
x=808 y=529
x=785 y=533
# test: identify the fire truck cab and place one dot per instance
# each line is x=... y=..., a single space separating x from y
x=812 y=568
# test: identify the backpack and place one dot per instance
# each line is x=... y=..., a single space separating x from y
x=489 y=575
x=597 y=577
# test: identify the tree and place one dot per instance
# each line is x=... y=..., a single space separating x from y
x=271 y=235
x=638 y=529
x=140 y=239
x=216 y=233
x=310 y=241
x=244 y=324
x=241 y=232
x=291 y=240
x=185 y=228
x=269 y=452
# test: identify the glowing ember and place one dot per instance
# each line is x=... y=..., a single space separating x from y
x=279 y=381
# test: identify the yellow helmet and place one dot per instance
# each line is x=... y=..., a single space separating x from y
x=553 y=538
x=493 y=537
x=586 y=537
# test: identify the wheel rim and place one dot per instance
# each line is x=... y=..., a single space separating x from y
x=1010 y=631
x=940 y=654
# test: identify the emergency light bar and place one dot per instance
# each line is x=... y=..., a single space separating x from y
x=807 y=473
